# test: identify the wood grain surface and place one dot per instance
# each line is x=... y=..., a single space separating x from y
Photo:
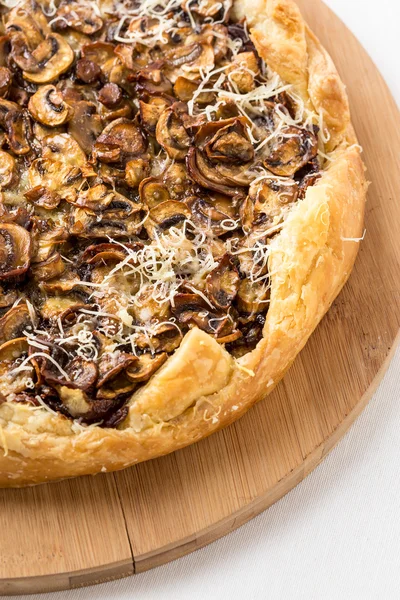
x=78 y=532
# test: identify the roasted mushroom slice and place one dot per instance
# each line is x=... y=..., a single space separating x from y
x=13 y=349
x=64 y=284
x=151 y=111
x=177 y=180
x=172 y=135
x=152 y=192
x=226 y=141
x=7 y=170
x=48 y=269
x=267 y=203
x=112 y=364
x=228 y=180
x=14 y=322
x=52 y=58
x=191 y=310
x=110 y=95
x=189 y=60
x=122 y=221
x=103 y=254
x=208 y=8
x=46 y=241
x=48 y=107
x=252 y=297
x=82 y=18
x=120 y=141
x=99 y=52
x=243 y=71
x=85 y=125
x=165 y=215
x=136 y=170
x=50 y=180
x=143 y=368
x=7 y=297
x=15 y=250
x=206 y=215
x=293 y=148
x=19 y=132
x=42 y=197
x=5 y=81
x=116 y=388
x=163 y=337
x=222 y=283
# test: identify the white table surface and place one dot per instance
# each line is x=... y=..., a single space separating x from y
x=336 y=536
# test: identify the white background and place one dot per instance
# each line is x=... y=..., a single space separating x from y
x=337 y=535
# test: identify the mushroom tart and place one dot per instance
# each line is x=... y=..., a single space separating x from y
x=181 y=198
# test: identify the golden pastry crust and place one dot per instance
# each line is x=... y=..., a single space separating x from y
x=202 y=388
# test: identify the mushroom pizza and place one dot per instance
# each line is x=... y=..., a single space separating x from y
x=181 y=198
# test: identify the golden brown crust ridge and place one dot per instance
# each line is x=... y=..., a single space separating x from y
x=311 y=259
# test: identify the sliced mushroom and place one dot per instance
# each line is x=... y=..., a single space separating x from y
x=85 y=125
x=42 y=197
x=120 y=141
x=189 y=60
x=165 y=337
x=165 y=215
x=228 y=180
x=56 y=306
x=53 y=57
x=19 y=132
x=226 y=141
x=116 y=417
x=53 y=178
x=151 y=111
x=143 y=368
x=7 y=297
x=13 y=349
x=47 y=241
x=14 y=322
x=136 y=170
x=110 y=95
x=123 y=221
x=112 y=364
x=147 y=309
x=5 y=81
x=48 y=269
x=191 y=309
x=222 y=283
x=99 y=52
x=48 y=107
x=152 y=192
x=15 y=250
x=267 y=203
x=116 y=388
x=82 y=373
x=7 y=170
x=82 y=18
x=208 y=8
x=64 y=284
x=172 y=135
x=206 y=215
x=293 y=149
x=177 y=180
x=252 y=297
x=243 y=71
x=87 y=71
x=185 y=89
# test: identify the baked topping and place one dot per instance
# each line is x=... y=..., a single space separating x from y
x=149 y=158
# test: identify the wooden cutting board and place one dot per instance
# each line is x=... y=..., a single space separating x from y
x=92 y=529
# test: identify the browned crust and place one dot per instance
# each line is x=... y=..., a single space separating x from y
x=201 y=388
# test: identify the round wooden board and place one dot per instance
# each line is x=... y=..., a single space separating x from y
x=88 y=530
